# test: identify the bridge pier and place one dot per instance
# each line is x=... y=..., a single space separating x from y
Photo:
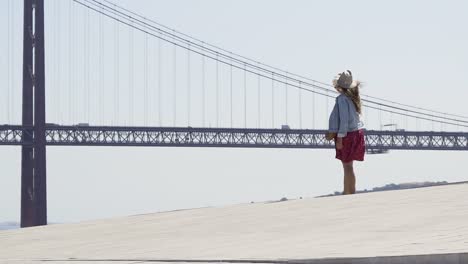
x=33 y=153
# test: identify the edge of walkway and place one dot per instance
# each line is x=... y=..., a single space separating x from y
x=451 y=258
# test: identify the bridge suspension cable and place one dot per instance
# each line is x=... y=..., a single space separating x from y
x=318 y=83
x=228 y=59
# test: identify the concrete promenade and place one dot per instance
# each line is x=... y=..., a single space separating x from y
x=426 y=225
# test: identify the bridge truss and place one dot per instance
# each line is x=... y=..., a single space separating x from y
x=227 y=137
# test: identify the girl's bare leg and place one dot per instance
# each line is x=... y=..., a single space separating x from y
x=349 y=178
x=345 y=184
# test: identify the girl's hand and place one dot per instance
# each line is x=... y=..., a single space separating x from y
x=339 y=143
x=330 y=136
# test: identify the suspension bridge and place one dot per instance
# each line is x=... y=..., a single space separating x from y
x=117 y=78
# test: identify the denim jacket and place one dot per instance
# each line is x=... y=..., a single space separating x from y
x=344 y=118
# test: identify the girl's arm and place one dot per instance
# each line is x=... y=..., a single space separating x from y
x=343 y=111
x=333 y=123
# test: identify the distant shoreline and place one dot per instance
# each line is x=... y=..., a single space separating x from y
x=400 y=186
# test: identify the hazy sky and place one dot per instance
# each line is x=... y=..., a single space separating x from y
x=413 y=52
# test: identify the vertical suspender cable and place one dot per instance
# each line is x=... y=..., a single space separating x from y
x=101 y=72
x=217 y=91
x=286 y=97
x=73 y=95
x=313 y=110
x=54 y=67
x=116 y=71
x=432 y=123
x=8 y=87
x=174 y=120
x=203 y=90
x=155 y=88
x=417 y=124
x=441 y=124
x=380 y=117
x=13 y=62
x=188 y=85
x=131 y=79
x=70 y=63
x=406 y=120
x=145 y=72
x=258 y=103
x=159 y=83
x=300 y=105
x=272 y=100
x=59 y=68
x=87 y=57
x=444 y=126
x=245 y=96
x=230 y=69
x=53 y=81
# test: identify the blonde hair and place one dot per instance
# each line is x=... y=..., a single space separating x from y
x=353 y=94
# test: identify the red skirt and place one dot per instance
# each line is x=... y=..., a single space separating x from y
x=354 y=147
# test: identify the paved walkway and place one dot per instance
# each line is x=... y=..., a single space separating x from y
x=427 y=225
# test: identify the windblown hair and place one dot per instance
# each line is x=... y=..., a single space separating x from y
x=353 y=94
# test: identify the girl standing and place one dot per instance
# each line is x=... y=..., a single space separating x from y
x=346 y=127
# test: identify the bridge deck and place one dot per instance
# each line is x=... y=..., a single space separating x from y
x=229 y=137
x=426 y=225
